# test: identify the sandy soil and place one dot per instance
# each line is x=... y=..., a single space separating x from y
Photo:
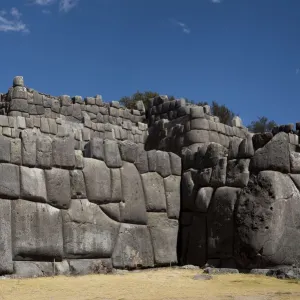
x=159 y=284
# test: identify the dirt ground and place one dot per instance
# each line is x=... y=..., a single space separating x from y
x=158 y=284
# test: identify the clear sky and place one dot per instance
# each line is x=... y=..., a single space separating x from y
x=242 y=53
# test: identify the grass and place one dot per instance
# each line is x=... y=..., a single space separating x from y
x=157 y=284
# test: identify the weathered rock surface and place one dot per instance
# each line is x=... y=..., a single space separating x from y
x=172 y=189
x=37 y=231
x=133 y=209
x=164 y=233
x=90 y=266
x=88 y=232
x=133 y=248
x=9 y=181
x=267 y=221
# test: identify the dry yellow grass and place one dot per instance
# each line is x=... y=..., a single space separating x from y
x=161 y=284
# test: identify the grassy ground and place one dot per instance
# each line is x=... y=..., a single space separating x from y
x=160 y=284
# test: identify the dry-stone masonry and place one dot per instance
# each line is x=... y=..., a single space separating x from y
x=87 y=186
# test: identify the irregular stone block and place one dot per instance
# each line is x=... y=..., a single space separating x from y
x=112 y=154
x=233 y=151
x=220 y=221
x=175 y=161
x=33 y=186
x=88 y=231
x=141 y=162
x=18 y=81
x=6 y=264
x=90 y=266
x=44 y=152
x=133 y=210
x=295 y=162
x=152 y=160
x=163 y=166
x=154 y=190
x=45 y=125
x=9 y=181
x=164 y=234
x=238 y=172
x=4 y=149
x=197 y=112
x=246 y=149
x=28 y=138
x=15 y=151
x=196 y=136
x=78 y=159
x=199 y=123
x=218 y=175
x=30 y=269
x=213 y=154
x=20 y=105
x=203 y=199
x=63 y=152
x=172 y=188
x=58 y=187
x=95 y=148
x=112 y=210
x=77 y=184
x=275 y=155
x=98 y=181
x=204 y=176
x=267 y=222
x=37 y=231
x=261 y=139
x=128 y=151
x=133 y=247
x=116 y=185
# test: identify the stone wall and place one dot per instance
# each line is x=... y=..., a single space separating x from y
x=88 y=186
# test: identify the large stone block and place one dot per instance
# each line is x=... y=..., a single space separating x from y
x=220 y=221
x=112 y=154
x=275 y=155
x=189 y=191
x=133 y=248
x=295 y=162
x=112 y=210
x=175 y=161
x=90 y=266
x=218 y=175
x=78 y=190
x=58 y=187
x=20 y=105
x=237 y=172
x=63 y=152
x=37 y=231
x=141 y=162
x=33 y=186
x=9 y=181
x=196 y=136
x=29 y=138
x=133 y=209
x=44 y=152
x=163 y=166
x=203 y=199
x=116 y=185
x=128 y=151
x=152 y=160
x=4 y=149
x=30 y=269
x=154 y=190
x=267 y=222
x=172 y=188
x=95 y=148
x=98 y=181
x=88 y=231
x=15 y=151
x=164 y=234
x=6 y=264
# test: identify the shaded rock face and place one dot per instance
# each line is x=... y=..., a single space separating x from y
x=268 y=221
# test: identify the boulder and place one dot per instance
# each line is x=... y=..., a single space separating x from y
x=37 y=231
x=164 y=233
x=58 y=187
x=133 y=209
x=275 y=155
x=172 y=189
x=6 y=263
x=88 y=231
x=33 y=185
x=267 y=222
x=154 y=190
x=9 y=181
x=133 y=248
x=220 y=221
x=98 y=181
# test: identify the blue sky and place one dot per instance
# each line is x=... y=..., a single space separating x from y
x=242 y=53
